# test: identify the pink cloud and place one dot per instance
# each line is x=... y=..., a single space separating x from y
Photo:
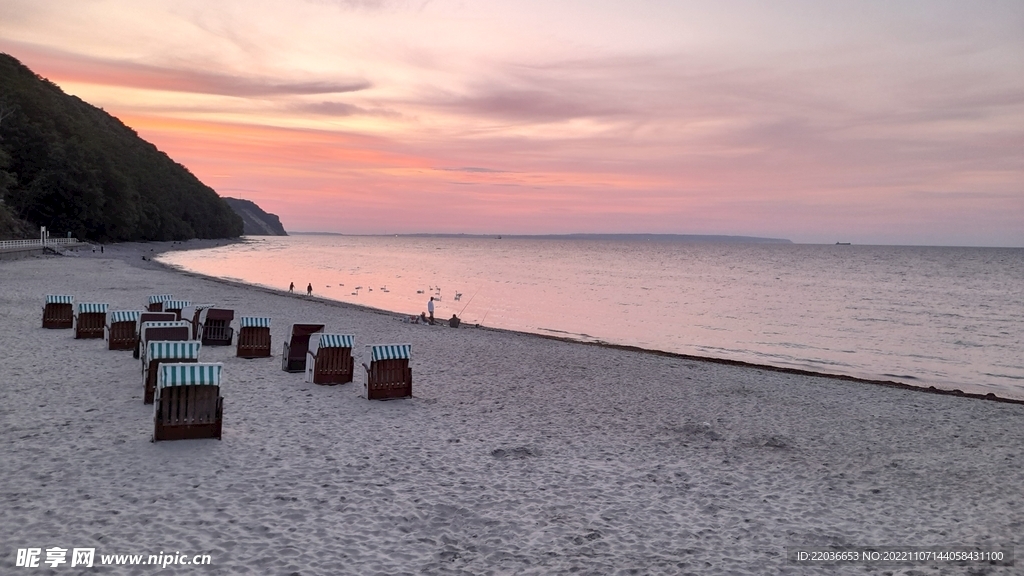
x=59 y=65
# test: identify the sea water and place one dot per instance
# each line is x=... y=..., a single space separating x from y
x=951 y=318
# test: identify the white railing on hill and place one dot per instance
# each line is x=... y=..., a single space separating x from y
x=36 y=243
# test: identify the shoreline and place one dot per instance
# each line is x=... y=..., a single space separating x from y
x=515 y=455
x=724 y=361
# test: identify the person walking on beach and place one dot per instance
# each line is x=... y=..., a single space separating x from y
x=309 y=289
x=291 y=287
x=430 y=310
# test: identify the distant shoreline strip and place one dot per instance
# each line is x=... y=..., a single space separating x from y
x=628 y=348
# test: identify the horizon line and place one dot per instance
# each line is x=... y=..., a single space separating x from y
x=736 y=238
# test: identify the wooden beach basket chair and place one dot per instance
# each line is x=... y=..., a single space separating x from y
x=148 y=317
x=253 y=337
x=165 y=352
x=293 y=358
x=58 y=311
x=156 y=302
x=388 y=374
x=187 y=403
x=176 y=330
x=175 y=307
x=120 y=329
x=90 y=320
x=329 y=359
x=198 y=319
x=217 y=329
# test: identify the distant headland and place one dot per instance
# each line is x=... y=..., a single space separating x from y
x=256 y=222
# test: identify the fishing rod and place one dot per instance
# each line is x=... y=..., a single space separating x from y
x=468 y=303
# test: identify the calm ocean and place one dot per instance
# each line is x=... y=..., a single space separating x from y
x=943 y=317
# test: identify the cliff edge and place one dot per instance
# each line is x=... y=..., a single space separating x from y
x=255 y=221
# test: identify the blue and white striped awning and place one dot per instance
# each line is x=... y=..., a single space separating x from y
x=336 y=341
x=59 y=299
x=124 y=316
x=164 y=324
x=92 y=308
x=391 y=352
x=186 y=350
x=253 y=322
x=176 y=304
x=157 y=298
x=188 y=374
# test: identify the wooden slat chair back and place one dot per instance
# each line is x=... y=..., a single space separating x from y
x=120 y=329
x=293 y=358
x=58 y=311
x=253 y=337
x=162 y=352
x=388 y=374
x=177 y=330
x=175 y=307
x=156 y=302
x=329 y=359
x=187 y=403
x=90 y=320
x=148 y=317
x=217 y=329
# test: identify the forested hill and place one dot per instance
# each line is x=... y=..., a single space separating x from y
x=72 y=167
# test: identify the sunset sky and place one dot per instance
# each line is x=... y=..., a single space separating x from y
x=818 y=121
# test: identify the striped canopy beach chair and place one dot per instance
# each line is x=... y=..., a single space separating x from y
x=293 y=358
x=175 y=307
x=217 y=329
x=329 y=359
x=156 y=302
x=163 y=352
x=58 y=311
x=253 y=337
x=388 y=374
x=148 y=317
x=187 y=402
x=120 y=329
x=90 y=320
x=176 y=330
x=199 y=312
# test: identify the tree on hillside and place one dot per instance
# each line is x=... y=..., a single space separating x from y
x=6 y=109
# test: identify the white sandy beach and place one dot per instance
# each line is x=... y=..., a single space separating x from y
x=517 y=454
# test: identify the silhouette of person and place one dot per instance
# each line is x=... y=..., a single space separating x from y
x=291 y=287
x=309 y=289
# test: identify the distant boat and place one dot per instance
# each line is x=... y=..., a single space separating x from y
x=842 y=243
